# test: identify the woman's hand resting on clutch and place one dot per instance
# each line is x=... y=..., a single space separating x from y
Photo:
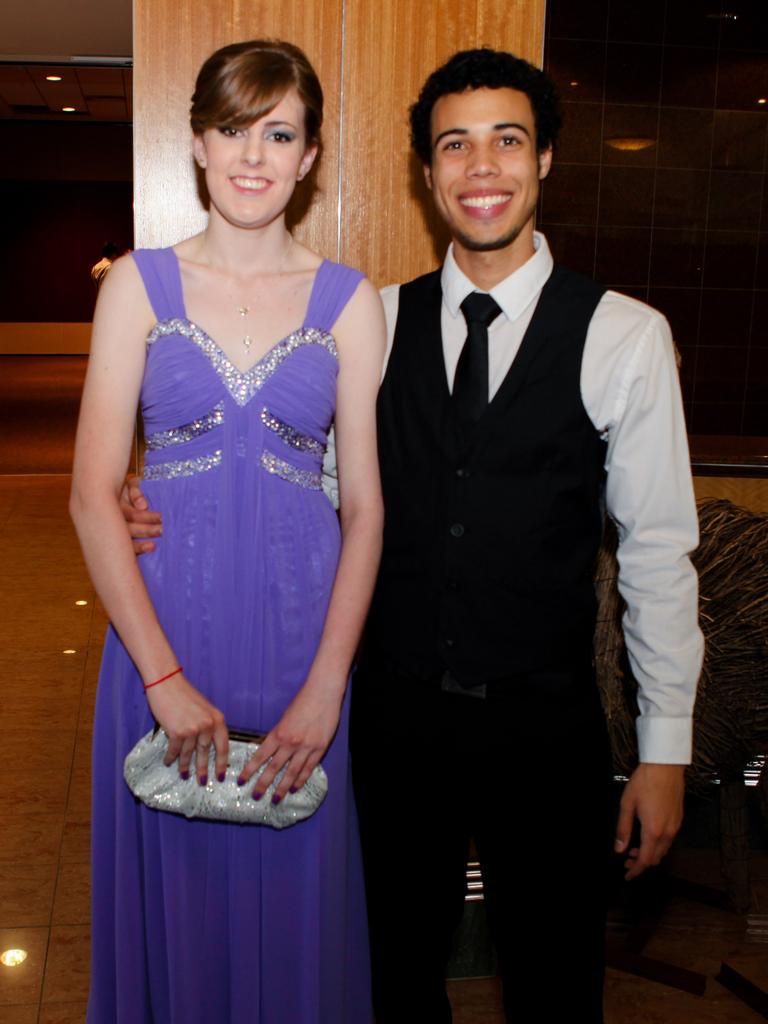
x=297 y=742
x=191 y=724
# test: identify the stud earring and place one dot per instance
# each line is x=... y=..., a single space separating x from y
x=202 y=164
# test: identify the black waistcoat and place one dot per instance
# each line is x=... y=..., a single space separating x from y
x=490 y=535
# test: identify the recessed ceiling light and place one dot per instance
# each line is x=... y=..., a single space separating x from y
x=53 y=78
x=574 y=84
x=69 y=650
x=68 y=110
x=13 y=957
x=762 y=100
x=81 y=603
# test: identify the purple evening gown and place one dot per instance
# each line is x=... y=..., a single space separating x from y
x=207 y=922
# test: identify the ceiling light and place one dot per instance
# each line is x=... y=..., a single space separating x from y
x=574 y=84
x=68 y=110
x=13 y=957
x=763 y=99
x=53 y=78
x=69 y=650
x=81 y=603
x=630 y=143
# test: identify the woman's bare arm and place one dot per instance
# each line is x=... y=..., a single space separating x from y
x=122 y=320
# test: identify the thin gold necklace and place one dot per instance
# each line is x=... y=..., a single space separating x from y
x=244 y=310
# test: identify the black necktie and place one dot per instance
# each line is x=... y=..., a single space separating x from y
x=470 y=385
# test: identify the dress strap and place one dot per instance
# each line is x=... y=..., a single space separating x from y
x=159 y=269
x=334 y=286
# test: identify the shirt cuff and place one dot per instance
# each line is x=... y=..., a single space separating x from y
x=664 y=740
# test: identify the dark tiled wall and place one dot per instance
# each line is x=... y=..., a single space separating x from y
x=65 y=190
x=53 y=233
x=681 y=223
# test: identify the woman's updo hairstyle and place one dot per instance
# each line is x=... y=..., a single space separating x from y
x=242 y=82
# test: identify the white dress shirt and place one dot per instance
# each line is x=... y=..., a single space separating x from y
x=630 y=390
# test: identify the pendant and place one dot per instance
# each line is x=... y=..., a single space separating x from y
x=243 y=310
x=247 y=342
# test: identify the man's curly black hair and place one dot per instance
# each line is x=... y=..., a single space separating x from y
x=486 y=69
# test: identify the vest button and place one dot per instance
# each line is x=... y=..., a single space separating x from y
x=452 y=584
x=449 y=641
x=457 y=530
x=462 y=473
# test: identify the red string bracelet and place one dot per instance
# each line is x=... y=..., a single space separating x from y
x=162 y=679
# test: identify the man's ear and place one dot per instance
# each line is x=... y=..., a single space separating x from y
x=545 y=162
x=427 y=175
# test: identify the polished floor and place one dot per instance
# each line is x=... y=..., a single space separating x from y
x=39 y=399
x=49 y=651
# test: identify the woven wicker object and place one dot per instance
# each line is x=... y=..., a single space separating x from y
x=731 y=715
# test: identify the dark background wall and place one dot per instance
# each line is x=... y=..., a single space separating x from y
x=66 y=189
x=683 y=222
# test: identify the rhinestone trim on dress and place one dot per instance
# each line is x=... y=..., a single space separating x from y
x=183 y=467
x=243 y=386
x=302 y=477
x=179 y=435
x=291 y=436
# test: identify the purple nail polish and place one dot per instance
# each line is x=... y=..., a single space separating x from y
x=185 y=775
x=240 y=780
x=276 y=799
x=221 y=776
x=257 y=795
x=203 y=780
x=293 y=789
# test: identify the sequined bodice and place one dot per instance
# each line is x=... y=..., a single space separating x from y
x=197 y=405
x=242 y=385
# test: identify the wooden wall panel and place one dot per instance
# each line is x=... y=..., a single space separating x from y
x=171 y=41
x=390 y=47
x=372 y=57
x=745 y=491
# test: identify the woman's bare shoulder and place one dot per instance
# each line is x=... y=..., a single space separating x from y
x=123 y=299
x=362 y=320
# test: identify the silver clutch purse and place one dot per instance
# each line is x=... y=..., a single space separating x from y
x=162 y=788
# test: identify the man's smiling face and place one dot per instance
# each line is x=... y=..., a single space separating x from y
x=485 y=168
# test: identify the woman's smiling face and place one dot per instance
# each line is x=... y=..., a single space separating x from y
x=251 y=171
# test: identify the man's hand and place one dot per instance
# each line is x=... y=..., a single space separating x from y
x=653 y=795
x=142 y=522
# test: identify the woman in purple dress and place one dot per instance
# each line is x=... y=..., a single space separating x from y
x=253 y=589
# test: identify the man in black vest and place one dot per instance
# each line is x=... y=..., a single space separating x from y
x=519 y=401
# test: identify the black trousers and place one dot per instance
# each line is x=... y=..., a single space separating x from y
x=526 y=773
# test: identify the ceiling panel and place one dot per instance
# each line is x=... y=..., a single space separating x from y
x=97 y=94
x=17 y=88
x=100 y=82
x=107 y=108
x=43 y=29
